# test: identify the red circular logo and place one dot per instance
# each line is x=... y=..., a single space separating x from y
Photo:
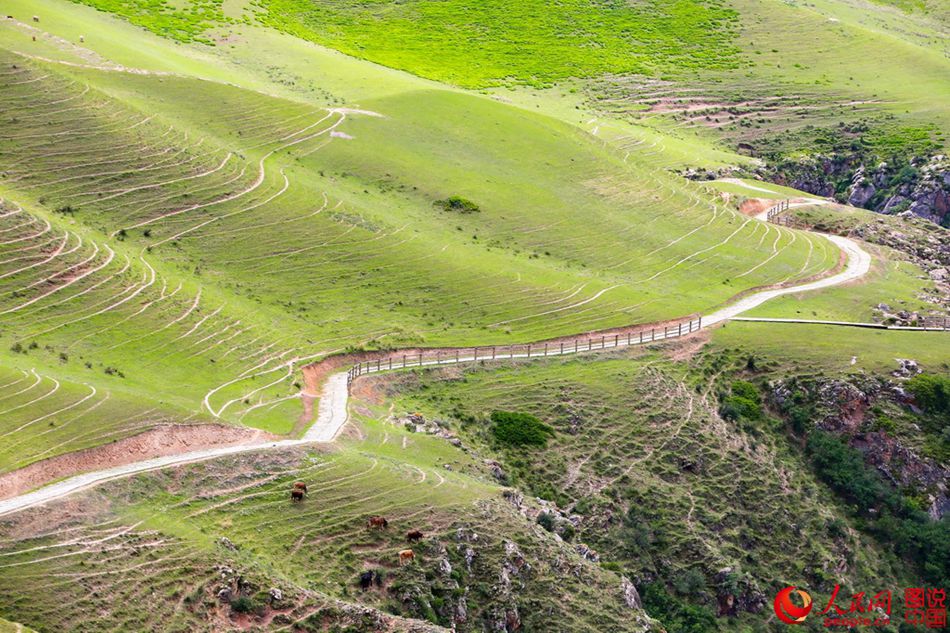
x=789 y=612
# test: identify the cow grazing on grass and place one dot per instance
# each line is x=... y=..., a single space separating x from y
x=299 y=485
x=366 y=579
x=36 y=18
x=378 y=522
x=371 y=577
x=414 y=536
x=296 y=495
x=406 y=556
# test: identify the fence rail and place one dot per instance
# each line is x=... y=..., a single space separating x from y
x=772 y=213
x=435 y=358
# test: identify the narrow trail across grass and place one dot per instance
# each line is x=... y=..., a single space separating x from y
x=332 y=412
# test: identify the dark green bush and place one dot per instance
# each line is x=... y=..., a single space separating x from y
x=546 y=520
x=678 y=616
x=243 y=604
x=743 y=403
x=932 y=392
x=520 y=429
x=457 y=204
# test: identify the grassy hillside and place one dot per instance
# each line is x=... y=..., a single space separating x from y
x=195 y=242
x=198 y=198
x=646 y=472
x=174 y=539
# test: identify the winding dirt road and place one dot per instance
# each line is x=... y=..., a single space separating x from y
x=332 y=410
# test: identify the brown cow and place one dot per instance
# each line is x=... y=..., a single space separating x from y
x=299 y=485
x=378 y=522
x=406 y=556
x=296 y=495
x=36 y=18
x=414 y=536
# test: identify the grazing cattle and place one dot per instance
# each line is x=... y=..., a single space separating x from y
x=296 y=495
x=371 y=577
x=300 y=486
x=414 y=536
x=366 y=579
x=82 y=38
x=378 y=522
x=36 y=18
x=406 y=556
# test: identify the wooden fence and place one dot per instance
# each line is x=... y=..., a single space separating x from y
x=433 y=358
x=774 y=211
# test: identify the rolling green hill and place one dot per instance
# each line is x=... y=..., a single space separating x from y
x=199 y=198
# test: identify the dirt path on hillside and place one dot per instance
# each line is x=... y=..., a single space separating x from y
x=157 y=449
x=165 y=440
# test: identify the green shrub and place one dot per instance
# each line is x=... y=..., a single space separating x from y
x=520 y=429
x=457 y=204
x=678 y=616
x=243 y=604
x=546 y=520
x=931 y=392
x=743 y=403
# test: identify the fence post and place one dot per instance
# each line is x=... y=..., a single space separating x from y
x=493 y=352
x=420 y=359
x=456 y=357
x=590 y=344
x=545 y=349
x=680 y=325
x=377 y=364
x=529 y=350
x=700 y=321
x=641 y=337
x=603 y=342
x=390 y=362
x=666 y=331
x=652 y=333
x=476 y=355
x=616 y=340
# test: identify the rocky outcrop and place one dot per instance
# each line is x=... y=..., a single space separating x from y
x=842 y=407
x=861 y=190
x=920 y=186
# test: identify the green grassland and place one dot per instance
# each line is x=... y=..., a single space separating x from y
x=479 y=44
x=166 y=538
x=201 y=241
x=824 y=348
x=662 y=486
x=200 y=197
x=899 y=284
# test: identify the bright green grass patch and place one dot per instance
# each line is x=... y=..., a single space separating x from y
x=835 y=349
x=184 y=22
x=891 y=281
x=484 y=43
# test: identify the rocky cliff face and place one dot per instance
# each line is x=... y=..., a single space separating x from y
x=921 y=186
x=853 y=409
